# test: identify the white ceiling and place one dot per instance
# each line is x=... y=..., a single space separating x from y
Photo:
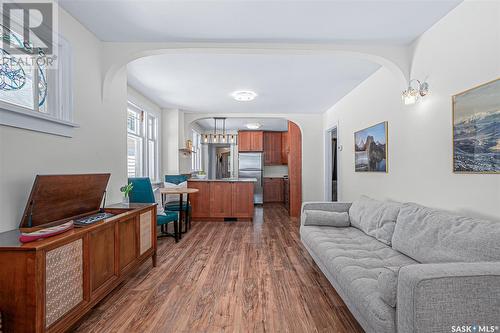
x=234 y=124
x=393 y=21
x=284 y=83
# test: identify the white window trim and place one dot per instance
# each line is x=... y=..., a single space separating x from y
x=133 y=104
x=196 y=155
x=60 y=120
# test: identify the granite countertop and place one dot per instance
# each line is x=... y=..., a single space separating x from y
x=231 y=180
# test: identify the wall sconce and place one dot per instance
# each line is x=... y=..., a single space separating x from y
x=415 y=91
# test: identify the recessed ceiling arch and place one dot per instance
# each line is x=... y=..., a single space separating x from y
x=117 y=55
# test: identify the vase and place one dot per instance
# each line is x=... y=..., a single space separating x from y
x=126 y=200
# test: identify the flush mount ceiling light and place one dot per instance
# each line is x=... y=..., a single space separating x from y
x=244 y=95
x=415 y=91
x=253 y=126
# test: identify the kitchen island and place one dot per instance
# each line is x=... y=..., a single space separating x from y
x=222 y=199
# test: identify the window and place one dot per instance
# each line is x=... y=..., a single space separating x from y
x=196 y=155
x=30 y=88
x=142 y=143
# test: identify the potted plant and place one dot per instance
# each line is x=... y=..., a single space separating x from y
x=126 y=191
x=202 y=175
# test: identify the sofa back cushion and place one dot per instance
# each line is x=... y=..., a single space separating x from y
x=326 y=219
x=432 y=236
x=374 y=218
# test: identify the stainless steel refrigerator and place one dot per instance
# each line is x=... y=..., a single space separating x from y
x=251 y=165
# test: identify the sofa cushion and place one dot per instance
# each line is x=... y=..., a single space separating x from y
x=175 y=197
x=387 y=283
x=327 y=219
x=376 y=218
x=432 y=236
x=355 y=260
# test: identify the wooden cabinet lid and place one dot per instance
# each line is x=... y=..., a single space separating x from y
x=61 y=197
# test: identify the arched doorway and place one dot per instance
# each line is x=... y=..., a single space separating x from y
x=281 y=150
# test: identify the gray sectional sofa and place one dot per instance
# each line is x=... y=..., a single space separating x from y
x=401 y=267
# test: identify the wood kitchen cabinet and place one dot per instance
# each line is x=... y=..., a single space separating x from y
x=217 y=200
x=273 y=190
x=221 y=204
x=200 y=202
x=286 y=193
x=242 y=199
x=272 y=148
x=285 y=148
x=250 y=141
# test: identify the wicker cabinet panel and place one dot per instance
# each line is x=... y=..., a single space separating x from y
x=145 y=232
x=63 y=280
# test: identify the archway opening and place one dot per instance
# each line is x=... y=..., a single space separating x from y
x=268 y=149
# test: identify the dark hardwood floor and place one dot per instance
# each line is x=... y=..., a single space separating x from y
x=227 y=277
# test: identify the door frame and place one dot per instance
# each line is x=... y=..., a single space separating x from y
x=329 y=164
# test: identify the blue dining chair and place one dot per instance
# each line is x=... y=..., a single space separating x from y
x=175 y=206
x=142 y=192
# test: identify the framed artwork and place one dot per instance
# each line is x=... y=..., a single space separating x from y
x=370 y=149
x=476 y=129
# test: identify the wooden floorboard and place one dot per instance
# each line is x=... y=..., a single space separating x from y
x=227 y=277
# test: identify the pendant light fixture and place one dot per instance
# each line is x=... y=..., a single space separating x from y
x=219 y=136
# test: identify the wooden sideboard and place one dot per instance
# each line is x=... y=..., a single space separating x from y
x=48 y=285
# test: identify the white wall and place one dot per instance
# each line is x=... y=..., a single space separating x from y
x=311 y=126
x=99 y=145
x=143 y=102
x=185 y=161
x=171 y=141
x=459 y=52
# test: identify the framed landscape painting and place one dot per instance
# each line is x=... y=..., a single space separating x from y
x=370 y=149
x=476 y=129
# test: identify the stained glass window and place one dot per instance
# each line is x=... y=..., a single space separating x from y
x=23 y=84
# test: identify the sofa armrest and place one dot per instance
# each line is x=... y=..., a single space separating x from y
x=329 y=206
x=435 y=297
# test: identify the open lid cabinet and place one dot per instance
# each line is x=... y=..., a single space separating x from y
x=55 y=199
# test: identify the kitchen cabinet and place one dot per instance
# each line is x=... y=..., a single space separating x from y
x=273 y=189
x=221 y=194
x=295 y=168
x=272 y=148
x=285 y=148
x=200 y=204
x=257 y=140
x=242 y=200
x=286 y=193
x=219 y=199
x=249 y=141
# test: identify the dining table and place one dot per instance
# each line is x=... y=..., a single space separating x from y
x=181 y=191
